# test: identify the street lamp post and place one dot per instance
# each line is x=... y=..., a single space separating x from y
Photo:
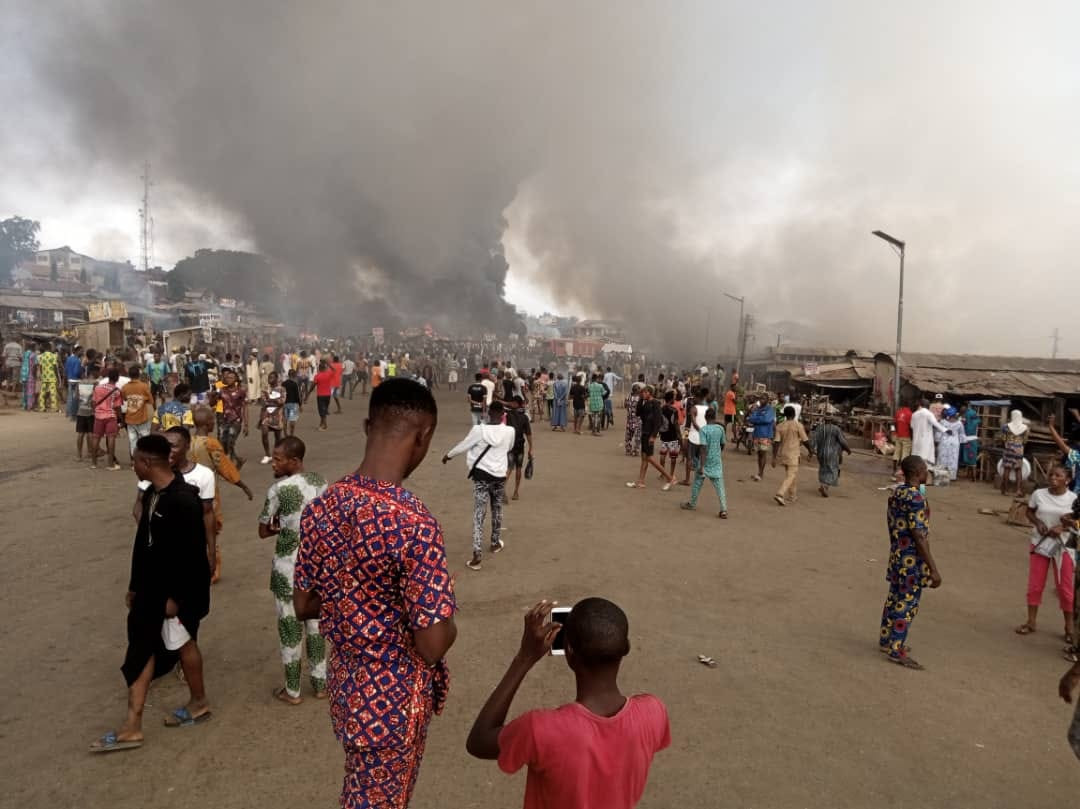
x=742 y=325
x=899 y=246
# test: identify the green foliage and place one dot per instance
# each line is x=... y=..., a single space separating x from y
x=18 y=242
x=228 y=274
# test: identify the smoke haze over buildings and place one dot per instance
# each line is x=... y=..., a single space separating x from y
x=647 y=156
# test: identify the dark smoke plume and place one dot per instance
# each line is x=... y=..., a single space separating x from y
x=650 y=156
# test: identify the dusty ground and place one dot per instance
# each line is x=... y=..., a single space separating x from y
x=802 y=711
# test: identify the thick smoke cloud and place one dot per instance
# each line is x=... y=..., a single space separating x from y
x=650 y=156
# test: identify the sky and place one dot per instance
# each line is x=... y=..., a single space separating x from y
x=631 y=162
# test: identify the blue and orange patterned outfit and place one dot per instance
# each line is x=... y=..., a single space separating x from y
x=374 y=554
x=908 y=572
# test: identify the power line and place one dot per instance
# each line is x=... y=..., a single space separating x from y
x=1056 y=336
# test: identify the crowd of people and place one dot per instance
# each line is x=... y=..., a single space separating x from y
x=359 y=577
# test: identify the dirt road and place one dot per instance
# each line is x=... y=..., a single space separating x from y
x=801 y=712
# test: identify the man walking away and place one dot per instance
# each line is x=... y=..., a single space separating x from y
x=517 y=418
x=348 y=376
x=168 y=595
x=596 y=404
x=73 y=370
x=487 y=448
x=710 y=463
x=791 y=437
x=368 y=548
x=476 y=395
x=292 y=490
x=593 y=752
x=84 y=412
x=610 y=379
x=292 y=402
x=578 y=394
x=156 y=372
x=763 y=418
x=138 y=405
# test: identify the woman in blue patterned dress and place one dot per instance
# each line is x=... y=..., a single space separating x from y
x=911 y=565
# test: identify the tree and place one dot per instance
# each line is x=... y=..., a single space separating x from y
x=228 y=274
x=18 y=242
x=177 y=287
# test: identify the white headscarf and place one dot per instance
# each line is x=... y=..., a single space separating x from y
x=1016 y=424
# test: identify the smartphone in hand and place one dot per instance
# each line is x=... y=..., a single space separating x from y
x=559 y=616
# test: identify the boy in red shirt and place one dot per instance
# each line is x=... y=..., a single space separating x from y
x=592 y=752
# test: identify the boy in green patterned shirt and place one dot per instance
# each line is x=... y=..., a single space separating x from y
x=293 y=489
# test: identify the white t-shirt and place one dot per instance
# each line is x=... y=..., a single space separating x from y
x=1050 y=508
x=348 y=368
x=490 y=386
x=697 y=423
x=798 y=409
x=201 y=477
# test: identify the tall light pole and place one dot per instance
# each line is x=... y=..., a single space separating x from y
x=899 y=246
x=742 y=325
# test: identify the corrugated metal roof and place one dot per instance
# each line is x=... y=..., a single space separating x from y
x=41 y=302
x=977 y=362
x=851 y=374
x=1032 y=384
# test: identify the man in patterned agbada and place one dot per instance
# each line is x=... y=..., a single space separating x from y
x=292 y=490
x=372 y=567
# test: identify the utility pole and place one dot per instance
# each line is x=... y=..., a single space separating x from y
x=1056 y=336
x=146 y=221
x=747 y=321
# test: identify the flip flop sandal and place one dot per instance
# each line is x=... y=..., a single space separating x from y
x=283 y=695
x=182 y=718
x=687 y=507
x=1024 y=629
x=722 y=515
x=109 y=743
x=631 y=485
x=707 y=661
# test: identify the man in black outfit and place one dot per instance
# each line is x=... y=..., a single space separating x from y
x=517 y=418
x=477 y=396
x=168 y=594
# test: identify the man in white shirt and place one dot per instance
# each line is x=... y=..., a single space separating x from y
x=695 y=417
x=489 y=385
x=922 y=433
x=487 y=448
